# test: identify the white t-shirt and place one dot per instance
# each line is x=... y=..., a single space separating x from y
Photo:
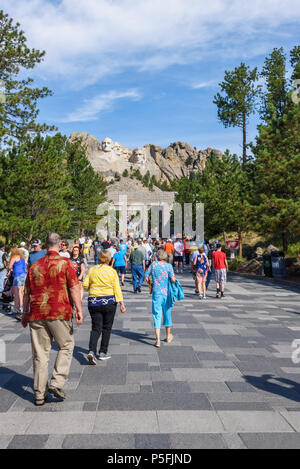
x=178 y=246
x=81 y=240
x=65 y=254
x=112 y=251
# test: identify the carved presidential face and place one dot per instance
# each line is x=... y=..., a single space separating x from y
x=140 y=154
x=107 y=144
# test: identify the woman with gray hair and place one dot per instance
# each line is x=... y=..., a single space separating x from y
x=161 y=271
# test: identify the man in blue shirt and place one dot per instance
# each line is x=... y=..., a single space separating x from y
x=37 y=253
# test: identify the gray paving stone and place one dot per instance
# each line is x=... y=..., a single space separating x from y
x=28 y=442
x=154 y=401
x=240 y=387
x=100 y=441
x=253 y=421
x=126 y=422
x=271 y=440
x=144 y=441
x=197 y=441
x=170 y=386
x=242 y=406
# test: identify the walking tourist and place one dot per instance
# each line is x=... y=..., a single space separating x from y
x=26 y=252
x=3 y=266
x=81 y=241
x=96 y=243
x=18 y=265
x=37 y=253
x=119 y=263
x=210 y=270
x=102 y=283
x=202 y=267
x=78 y=264
x=47 y=308
x=137 y=261
x=220 y=267
x=178 y=255
x=86 y=250
x=64 y=252
x=161 y=271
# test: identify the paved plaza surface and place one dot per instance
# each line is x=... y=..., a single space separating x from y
x=226 y=381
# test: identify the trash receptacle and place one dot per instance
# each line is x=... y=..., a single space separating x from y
x=267 y=265
x=278 y=264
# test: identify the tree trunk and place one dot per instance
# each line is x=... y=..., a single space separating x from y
x=240 y=242
x=244 y=143
x=284 y=241
x=225 y=238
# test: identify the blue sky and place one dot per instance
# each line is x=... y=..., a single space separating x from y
x=147 y=71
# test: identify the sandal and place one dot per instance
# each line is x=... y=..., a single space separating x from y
x=157 y=344
x=170 y=338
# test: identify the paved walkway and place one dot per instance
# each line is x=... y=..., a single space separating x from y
x=226 y=381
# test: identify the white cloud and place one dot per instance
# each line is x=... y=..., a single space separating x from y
x=91 y=108
x=87 y=39
x=204 y=84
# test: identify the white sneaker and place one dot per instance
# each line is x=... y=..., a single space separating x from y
x=181 y=271
x=91 y=358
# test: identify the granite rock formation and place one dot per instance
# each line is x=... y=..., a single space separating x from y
x=178 y=160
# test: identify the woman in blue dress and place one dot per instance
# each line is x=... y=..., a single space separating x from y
x=161 y=271
x=202 y=266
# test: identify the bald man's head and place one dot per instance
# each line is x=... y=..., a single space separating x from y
x=53 y=241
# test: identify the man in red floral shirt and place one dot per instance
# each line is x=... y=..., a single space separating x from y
x=50 y=285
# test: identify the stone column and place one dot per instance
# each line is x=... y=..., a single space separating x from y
x=122 y=215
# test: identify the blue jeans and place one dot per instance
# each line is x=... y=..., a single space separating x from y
x=137 y=271
x=209 y=274
x=2 y=277
x=159 y=309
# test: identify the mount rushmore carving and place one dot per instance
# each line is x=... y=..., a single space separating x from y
x=178 y=160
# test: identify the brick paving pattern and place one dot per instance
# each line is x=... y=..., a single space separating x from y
x=226 y=381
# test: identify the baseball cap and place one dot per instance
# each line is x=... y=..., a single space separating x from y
x=36 y=242
x=22 y=244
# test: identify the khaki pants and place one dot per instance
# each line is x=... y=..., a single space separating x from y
x=42 y=334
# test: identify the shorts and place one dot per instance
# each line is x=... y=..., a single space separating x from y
x=178 y=259
x=19 y=281
x=121 y=269
x=220 y=276
x=201 y=276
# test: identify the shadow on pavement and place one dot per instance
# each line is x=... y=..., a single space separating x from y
x=136 y=336
x=291 y=390
x=17 y=383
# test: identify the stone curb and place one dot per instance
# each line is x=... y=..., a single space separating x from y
x=266 y=279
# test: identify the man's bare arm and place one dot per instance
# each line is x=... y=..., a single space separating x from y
x=76 y=298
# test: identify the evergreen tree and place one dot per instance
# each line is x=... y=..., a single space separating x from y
x=275 y=97
x=225 y=189
x=34 y=187
x=239 y=102
x=277 y=169
x=88 y=189
x=18 y=109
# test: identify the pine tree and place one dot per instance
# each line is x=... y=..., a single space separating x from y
x=34 y=187
x=88 y=189
x=241 y=92
x=18 y=108
x=275 y=97
x=277 y=169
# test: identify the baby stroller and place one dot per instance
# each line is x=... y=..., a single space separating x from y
x=7 y=294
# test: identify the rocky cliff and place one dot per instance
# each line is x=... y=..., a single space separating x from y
x=178 y=160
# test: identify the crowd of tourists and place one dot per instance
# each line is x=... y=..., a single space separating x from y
x=46 y=285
